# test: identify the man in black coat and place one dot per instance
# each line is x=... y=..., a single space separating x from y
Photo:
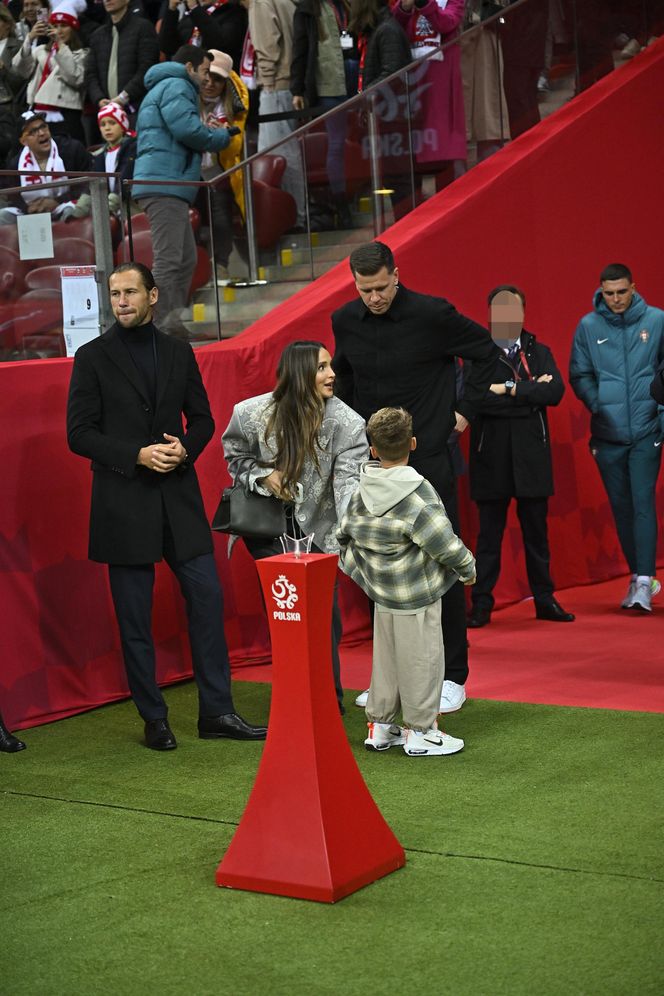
x=129 y=390
x=121 y=52
x=397 y=348
x=510 y=457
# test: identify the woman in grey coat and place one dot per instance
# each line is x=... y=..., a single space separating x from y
x=305 y=446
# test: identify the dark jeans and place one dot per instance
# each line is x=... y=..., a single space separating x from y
x=221 y=223
x=131 y=587
x=260 y=548
x=532 y=518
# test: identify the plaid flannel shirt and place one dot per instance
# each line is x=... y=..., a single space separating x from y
x=406 y=558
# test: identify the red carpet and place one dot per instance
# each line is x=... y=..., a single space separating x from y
x=608 y=658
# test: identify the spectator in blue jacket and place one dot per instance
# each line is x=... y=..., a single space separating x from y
x=617 y=349
x=171 y=139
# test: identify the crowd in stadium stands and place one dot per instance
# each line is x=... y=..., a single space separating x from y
x=74 y=75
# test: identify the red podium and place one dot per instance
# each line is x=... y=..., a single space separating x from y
x=311 y=829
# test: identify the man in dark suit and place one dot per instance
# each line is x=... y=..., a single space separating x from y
x=128 y=393
x=510 y=457
x=396 y=348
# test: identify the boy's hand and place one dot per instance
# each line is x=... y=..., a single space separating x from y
x=470 y=581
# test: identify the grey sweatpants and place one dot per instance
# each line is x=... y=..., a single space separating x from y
x=408 y=667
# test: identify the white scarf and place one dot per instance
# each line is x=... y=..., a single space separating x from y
x=31 y=183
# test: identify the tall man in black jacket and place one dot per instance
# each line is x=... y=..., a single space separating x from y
x=129 y=390
x=394 y=347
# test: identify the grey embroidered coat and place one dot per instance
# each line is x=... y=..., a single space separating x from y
x=324 y=492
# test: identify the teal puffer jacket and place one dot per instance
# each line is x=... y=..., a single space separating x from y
x=613 y=362
x=171 y=135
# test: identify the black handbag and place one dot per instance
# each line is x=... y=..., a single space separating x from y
x=247 y=513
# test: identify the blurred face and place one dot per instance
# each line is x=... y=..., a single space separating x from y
x=111 y=131
x=5 y=28
x=200 y=75
x=29 y=11
x=618 y=295
x=325 y=375
x=116 y=8
x=506 y=317
x=378 y=291
x=63 y=33
x=37 y=137
x=132 y=304
x=213 y=87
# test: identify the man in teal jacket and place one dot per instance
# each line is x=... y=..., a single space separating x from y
x=617 y=349
x=171 y=139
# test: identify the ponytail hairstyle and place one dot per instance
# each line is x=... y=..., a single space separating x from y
x=297 y=412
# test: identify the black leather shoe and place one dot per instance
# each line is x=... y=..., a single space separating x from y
x=159 y=735
x=553 y=612
x=229 y=725
x=479 y=617
x=9 y=743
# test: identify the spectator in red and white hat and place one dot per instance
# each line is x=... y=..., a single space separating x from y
x=118 y=152
x=56 y=71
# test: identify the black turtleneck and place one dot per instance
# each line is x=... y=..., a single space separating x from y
x=142 y=345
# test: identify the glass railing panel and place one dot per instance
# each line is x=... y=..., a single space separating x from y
x=55 y=254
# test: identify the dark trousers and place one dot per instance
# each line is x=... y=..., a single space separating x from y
x=630 y=475
x=437 y=469
x=532 y=519
x=260 y=548
x=131 y=587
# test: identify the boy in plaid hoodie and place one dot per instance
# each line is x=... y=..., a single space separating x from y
x=399 y=546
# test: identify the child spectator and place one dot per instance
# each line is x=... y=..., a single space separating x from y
x=118 y=152
x=399 y=546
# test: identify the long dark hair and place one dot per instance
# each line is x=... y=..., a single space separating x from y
x=297 y=411
x=364 y=15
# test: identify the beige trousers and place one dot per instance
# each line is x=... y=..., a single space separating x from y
x=408 y=667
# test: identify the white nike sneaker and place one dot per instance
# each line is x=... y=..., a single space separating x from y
x=452 y=697
x=361 y=699
x=382 y=736
x=432 y=741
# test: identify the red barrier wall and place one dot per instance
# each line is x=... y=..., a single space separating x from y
x=546 y=213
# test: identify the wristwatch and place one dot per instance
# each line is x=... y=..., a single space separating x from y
x=509 y=384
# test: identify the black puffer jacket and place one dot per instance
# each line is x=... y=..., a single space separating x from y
x=224 y=29
x=138 y=49
x=388 y=50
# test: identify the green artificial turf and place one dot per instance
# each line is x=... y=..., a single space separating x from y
x=534 y=863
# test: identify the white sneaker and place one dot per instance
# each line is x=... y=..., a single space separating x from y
x=382 y=736
x=432 y=741
x=628 y=600
x=452 y=696
x=643 y=593
x=361 y=699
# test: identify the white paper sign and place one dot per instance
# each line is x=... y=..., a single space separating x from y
x=78 y=337
x=35 y=236
x=80 y=306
